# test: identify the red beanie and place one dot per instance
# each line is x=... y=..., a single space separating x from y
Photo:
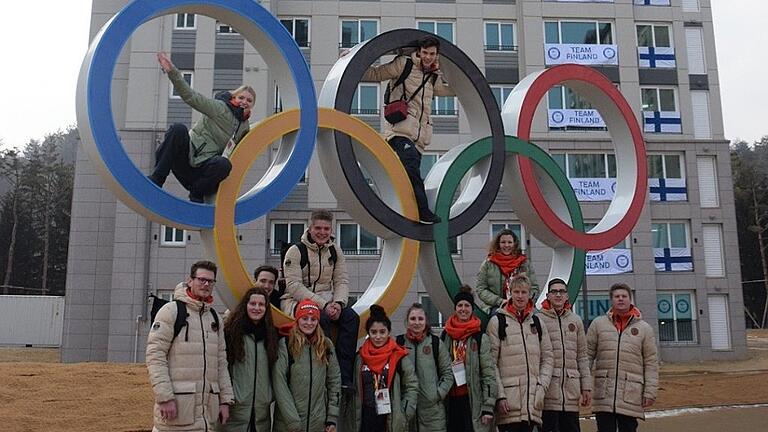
x=307 y=307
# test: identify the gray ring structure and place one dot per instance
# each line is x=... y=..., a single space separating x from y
x=377 y=212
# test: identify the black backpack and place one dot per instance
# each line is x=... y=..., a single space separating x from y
x=435 y=347
x=401 y=81
x=181 y=315
x=304 y=253
x=503 y=325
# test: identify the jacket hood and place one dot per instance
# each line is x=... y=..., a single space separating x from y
x=180 y=293
x=306 y=238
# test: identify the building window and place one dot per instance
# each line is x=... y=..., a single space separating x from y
x=666 y=177
x=671 y=246
x=285 y=233
x=653 y=35
x=354 y=31
x=677 y=317
x=170 y=236
x=355 y=240
x=660 y=112
x=654 y=46
x=444 y=106
x=434 y=316
x=569 y=111
x=222 y=28
x=185 y=21
x=299 y=30
x=587 y=165
x=500 y=36
x=454 y=244
x=578 y=32
x=444 y=29
x=501 y=93
x=709 y=196
x=366 y=100
x=188 y=77
x=515 y=227
x=597 y=304
x=653 y=2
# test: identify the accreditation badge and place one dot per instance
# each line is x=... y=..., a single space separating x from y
x=459 y=373
x=383 y=405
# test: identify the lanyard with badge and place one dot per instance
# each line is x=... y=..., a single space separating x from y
x=459 y=371
x=381 y=393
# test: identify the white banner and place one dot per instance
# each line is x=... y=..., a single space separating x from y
x=594 y=189
x=588 y=118
x=667 y=189
x=585 y=54
x=673 y=259
x=585 y=1
x=652 y=2
x=652 y=57
x=662 y=122
x=610 y=261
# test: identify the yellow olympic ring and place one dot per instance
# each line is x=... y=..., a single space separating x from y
x=256 y=142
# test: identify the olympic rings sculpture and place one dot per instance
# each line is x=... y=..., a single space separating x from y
x=498 y=154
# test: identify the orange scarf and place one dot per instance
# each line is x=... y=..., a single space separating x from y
x=458 y=330
x=416 y=338
x=621 y=321
x=508 y=264
x=376 y=358
x=546 y=305
x=520 y=315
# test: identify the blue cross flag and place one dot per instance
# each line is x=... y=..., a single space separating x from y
x=662 y=122
x=673 y=259
x=660 y=57
x=668 y=189
x=652 y=2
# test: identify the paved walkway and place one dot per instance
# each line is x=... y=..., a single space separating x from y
x=728 y=419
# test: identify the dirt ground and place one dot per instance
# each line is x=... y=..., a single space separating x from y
x=37 y=393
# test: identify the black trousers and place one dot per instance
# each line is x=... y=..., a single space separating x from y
x=459 y=414
x=411 y=159
x=346 y=340
x=516 y=427
x=560 y=421
x=173 y=156
x=608 y=422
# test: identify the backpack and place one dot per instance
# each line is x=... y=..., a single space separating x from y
x=181 y=315
x=397 y=111
x=503 y=325
x=435 y=347
x=304 y=253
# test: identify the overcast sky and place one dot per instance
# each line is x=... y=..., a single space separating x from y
x=43 y=43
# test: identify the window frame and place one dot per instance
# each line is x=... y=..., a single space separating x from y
x=523 y=240
x=292 y=31
x=440 y=318
x=359 y=249
x=435 y=23
x=172 y=243
x=434 y=112
x=501 y=88
x=273 y=250
x=694 y=320
x=658 y=97
x=686 y=224
x=186 y=25
x=605 y=163
x=681 y=161
x=231 y=31
x=356 y=98
x=359 y=32
x=499 y=46
x=653 y=34
x=172 y=93
x=597 y=29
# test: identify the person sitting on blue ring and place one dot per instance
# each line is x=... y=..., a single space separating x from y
x=199 y=157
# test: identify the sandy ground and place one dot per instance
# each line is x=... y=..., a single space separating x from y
x=39 y=394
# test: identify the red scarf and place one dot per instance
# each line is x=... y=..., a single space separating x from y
x=459 y=330
x=520 y=315
x=416 y=338
x=376 y=358
x=621 y=321
x=208 y=300
x=546 y=305
x=508 y=264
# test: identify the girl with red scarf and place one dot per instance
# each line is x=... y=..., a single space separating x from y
x=386 y=383
x=471 y=400
x=505 y=261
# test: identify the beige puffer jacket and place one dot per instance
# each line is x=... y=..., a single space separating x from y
x=570 y=375
x=192 y=369
x=418 y=126
x=321 y=281
x=523 y=367
x=625 y=366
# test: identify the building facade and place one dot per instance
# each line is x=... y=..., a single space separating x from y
x=681 y=258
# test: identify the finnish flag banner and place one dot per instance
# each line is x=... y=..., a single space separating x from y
x=673 y=259
x=652 y=2
x=656 y=57
x=662 y=122
x=667 y=189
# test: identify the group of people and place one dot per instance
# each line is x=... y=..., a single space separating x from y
x=526 y=368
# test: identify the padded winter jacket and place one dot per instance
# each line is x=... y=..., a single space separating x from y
x=191 y=369
x=625 y=366
x=570 y=374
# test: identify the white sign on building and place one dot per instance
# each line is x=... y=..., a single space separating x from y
x=609 y=261
x=594 y=189
x=588 y=118
x=585 y=54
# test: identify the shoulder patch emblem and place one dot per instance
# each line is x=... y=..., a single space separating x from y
x=215 y=326
x=572 y=327
x=427 y=349
x=156 y=326
x=635 y=332
x=287 y=262
x=534 y=330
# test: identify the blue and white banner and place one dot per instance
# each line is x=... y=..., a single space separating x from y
x=652 y=2
x=668 y=189
x=661 y=57
x=588 y=118
x=594 y=189
x=673 y=259
x=609 y=261
x=585 y=54
x=662 y=122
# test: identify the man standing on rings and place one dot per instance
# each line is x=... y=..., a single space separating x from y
x=187 y=358
x=415 y=79
x=571 y=379
x=315 y=269
x=623 y=349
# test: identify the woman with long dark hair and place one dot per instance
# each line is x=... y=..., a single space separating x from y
x=306 y=377
x=251 y=350
x=505 y=260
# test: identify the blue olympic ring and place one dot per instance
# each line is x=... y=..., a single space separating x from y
x=99 y=100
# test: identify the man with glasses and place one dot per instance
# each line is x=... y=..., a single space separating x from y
x=187 y=359
x=571 y=382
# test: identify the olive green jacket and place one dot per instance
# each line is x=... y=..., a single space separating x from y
x=252 y=384
x=434 y=383
x=210 y=135
x=480 y=371
x=403 y=396
x=307 y=396
x=490 y=280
